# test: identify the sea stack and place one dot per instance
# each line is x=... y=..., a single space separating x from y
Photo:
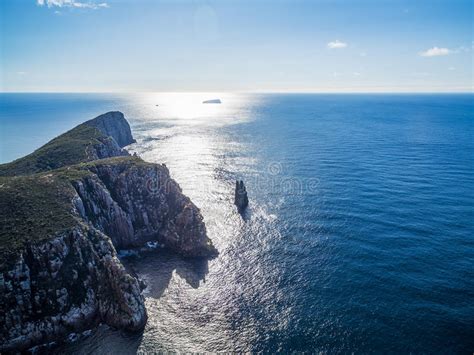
x=241 y=199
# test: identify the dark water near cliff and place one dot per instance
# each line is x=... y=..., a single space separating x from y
x=359 y=237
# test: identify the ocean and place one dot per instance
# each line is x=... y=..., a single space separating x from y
x=359 y=236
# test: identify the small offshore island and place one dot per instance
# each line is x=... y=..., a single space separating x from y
x=212 y=101
x=66 y=208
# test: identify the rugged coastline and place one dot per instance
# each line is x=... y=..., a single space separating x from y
x=65 y=209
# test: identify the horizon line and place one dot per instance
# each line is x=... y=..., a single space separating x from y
x=240 y=92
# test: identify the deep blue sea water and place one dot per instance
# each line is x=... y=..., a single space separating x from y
x=359 y=236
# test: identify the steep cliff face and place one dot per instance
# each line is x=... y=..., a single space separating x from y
x=113 y=124
x=134 y=202
x=59 y=272
x=66 y=284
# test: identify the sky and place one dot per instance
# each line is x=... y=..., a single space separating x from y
x=236 y=46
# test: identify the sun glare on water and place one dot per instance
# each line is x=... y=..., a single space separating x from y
x=188 y=135
x=190 y=108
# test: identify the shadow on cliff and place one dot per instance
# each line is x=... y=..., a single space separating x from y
x=156 y=269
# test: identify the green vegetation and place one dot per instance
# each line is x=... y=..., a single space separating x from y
x=66 y=149
x=126 y=161
x=32 y=208
x=79 y=171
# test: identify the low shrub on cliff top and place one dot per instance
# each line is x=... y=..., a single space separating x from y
x=66 y=149
x=32 y=208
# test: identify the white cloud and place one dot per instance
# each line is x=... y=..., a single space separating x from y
x=356 y=73
x=451 y=68
x=337 y=44
x=435 y=52
x=72 y=3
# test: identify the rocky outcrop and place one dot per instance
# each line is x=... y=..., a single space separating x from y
x=240 y=196
x=66 y=284
x=134 y=202
x=106 y=147
x=59 y=272
x=113 y=124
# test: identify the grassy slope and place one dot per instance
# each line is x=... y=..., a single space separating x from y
x=32 y=208
x=66 y=149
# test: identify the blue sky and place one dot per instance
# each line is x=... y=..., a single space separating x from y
x=296 y=46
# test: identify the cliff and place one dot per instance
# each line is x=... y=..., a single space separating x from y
x=142 y=203
x=61 y=225
x=67 y=283
x=113 y=124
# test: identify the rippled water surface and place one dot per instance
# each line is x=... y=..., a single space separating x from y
x=359 y=233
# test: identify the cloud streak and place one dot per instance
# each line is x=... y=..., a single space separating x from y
x=337 y=44
x=72 y=3
x=435 y=52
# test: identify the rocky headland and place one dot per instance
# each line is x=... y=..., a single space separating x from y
x=65 y=209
